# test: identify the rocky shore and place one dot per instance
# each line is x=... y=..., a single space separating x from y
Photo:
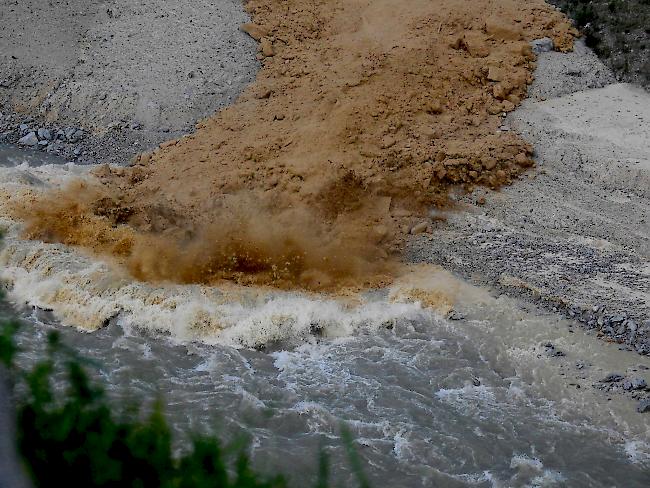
x=574 y=234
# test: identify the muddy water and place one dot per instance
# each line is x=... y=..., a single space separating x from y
x=431 y=402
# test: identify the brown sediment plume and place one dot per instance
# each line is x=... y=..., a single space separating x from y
x=363 y=116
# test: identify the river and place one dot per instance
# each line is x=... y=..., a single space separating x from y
x=479 y=400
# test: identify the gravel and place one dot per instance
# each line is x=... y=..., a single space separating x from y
x=574 y=234
x=127 y=89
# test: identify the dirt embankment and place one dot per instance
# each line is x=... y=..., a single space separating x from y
x=364 y=115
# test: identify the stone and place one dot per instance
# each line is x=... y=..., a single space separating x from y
x=616 y=319
x=103 y=171
x=254 y=30
x=23 y=128
x=267 y=47
x=454 y=315
x=643 y=406
x=29 y=140
x=495 y=74
x=76 y=136
x=44 y=133
x=388 y=142
x=43 y=143
x=508 y=106
x=475 y=45
x=543 y=45
x=495 y=109
x=419 y=228
x=612 y=378
x=500 y=28
x=637 y=384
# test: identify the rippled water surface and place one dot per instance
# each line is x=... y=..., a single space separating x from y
x=430 y=401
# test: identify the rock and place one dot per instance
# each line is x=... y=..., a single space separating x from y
x=23 y=128
x=508 y=106
x=60 y=135
x=643 y=406
x=267 y=47
x=254 y=30
x=44 y=133
x=388 y=142
x=612 y=378
x=69 y=132
x=494 y=109
x=29 y=140
x=502 y=29
x=43 y=143
x=495 y=74
x=77 y=151
x=76 y=136
x=476 y=46
x=617 y=319
x=103 y=171
x=543 y=45
x=419 y=228
x=551 y=351
x=454 y=315
x=635 y=384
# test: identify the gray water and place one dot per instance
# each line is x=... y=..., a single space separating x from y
x=430 y=401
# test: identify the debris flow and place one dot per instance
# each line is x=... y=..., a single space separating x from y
x=363 y=116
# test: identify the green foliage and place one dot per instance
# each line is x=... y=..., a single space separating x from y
x=73 y=439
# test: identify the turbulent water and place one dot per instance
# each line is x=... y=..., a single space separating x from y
x=431 y=401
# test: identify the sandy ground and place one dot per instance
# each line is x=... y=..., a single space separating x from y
x=132 y=74
x=575 y=235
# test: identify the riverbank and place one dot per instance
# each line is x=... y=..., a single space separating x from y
x=574 y=234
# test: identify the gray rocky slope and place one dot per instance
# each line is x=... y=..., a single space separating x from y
x=130 y=74
x=574 y=233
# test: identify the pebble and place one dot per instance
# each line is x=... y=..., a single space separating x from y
x=612 y=378
x=44 y=134
x=643 y=406
x=635 y=384
x=543 y=45
x=453 y=315
x=419 y=228
x=29 y=140
x=76 y=136
x=69 y=132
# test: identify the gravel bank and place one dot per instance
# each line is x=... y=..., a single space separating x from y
x=575 y=234
x=129 y=74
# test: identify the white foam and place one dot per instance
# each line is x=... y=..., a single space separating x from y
x=86 y=292
x=638 y=452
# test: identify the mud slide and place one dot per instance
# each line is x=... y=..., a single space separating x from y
x=364 y=116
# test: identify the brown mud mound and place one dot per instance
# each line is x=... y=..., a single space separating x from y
x=364 y=115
